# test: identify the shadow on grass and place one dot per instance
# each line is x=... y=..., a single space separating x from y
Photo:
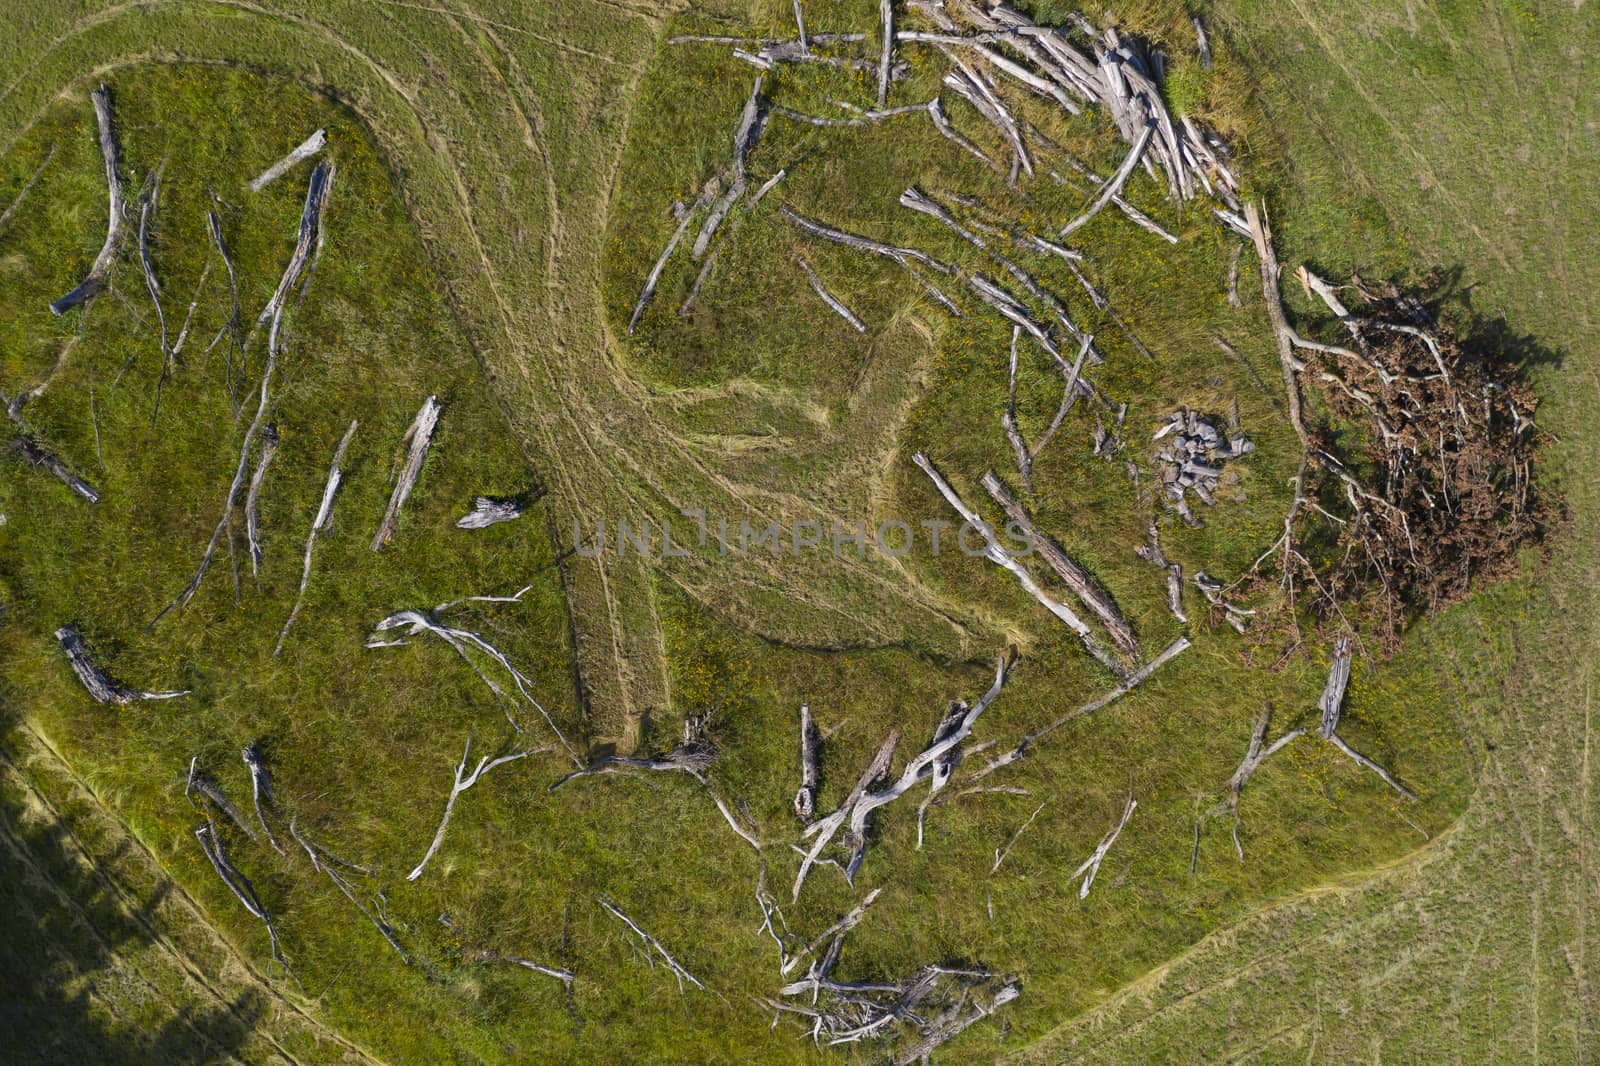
x=81 y=977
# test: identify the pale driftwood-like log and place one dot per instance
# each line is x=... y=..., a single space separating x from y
x=464 y=781
x=766 y=187
x=936 y=763
x=830 y=935
x=27 y=186
x=307 y=148
x=417 y=623
x=416 y=441
x=699 y=281
x=651 y=944
x=693 y=757
x=833 y=302
x=1332 y=702
x=325 y=863
x=100 y=685
x=941 y=122
x=1361 y=760
x=199 y=782
x=566 y=977
x=861 y=118
x=903 y=256
x=100 y=270
x=886 y=59
x=995 y=553
x=305 y=241
x=230 y=327
x=261 y=791
x=800 y=28
x=1113 y=186
x=1091 y=865
x=1134 y=680
x=310 y=223
x=1255 y=754
x=1001 y=853
x=36 y=454
x=1150 y=552
x=1071 y=573
x=654 y=277
x=969 y=85
x=319 y=524
x=147 y=207
x=824 y=829
x=252 y=497
x=952 y=1023
x=1268 y=260
x=1202 y=45
x=239 y=885
x=805 y=799
x=488 y=511
x=1233 y=276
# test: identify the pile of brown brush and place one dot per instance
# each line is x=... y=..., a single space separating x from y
x=1419 y=475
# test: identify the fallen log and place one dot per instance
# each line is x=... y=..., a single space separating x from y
x=100 y=685
x=833 y=302
x=417 y=623
x=307 y=148
x=886 y=14
x=654 y=277
x=35 y=454
x=100 y=270
x=1091 y=865
x=462 y=782
x=1133 y=681
x=1114 y=186
x=147 y=206
x=824 y=829
x=805 y=799
x=260 y=790
x=199 y=782
x=310 y=221
x=488 y=511
x=941 y=122
x=831 y=935
x=652 y=944
x=323 y=862
x=1073 y=575
x=996 y=554
x=252 y=497
x=417 y=439
x=230 y=328
x=693 y=757
x=239 y=885
x=319 y=524
x=1001 y=853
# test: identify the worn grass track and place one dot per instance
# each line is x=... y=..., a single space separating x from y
x=1472 y=127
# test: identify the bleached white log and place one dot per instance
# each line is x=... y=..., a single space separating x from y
x=306 y=149
x=995 y=553
x=310 y=222
x=1091 y=865
x=325 y=863
x=416 y=442
x=252 y=497
x=239 y=885
x=1001 y=853
x=100 y=685
x=260 y=791
x=652 y=944
x=487 y=511
x=833 y=302
x=1114 y=186
x=319 y=524
x=833 y=932
x=100 y=270
x=464 y=781
x=805 y=799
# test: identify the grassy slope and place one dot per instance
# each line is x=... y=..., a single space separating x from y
x=1472 y=126
x=791 y=675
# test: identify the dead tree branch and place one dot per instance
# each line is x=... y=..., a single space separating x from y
x=100 y=686
x=325 y=863
x=828 y=298
x=419 y=436
x=1091 y=865
x=307 y=148
x=261 y=791
x=252 y=497
x=100 y=270
x=239 y=885
x=320 y=523
x=651 y=944
x=996 y=554
x=464 y=781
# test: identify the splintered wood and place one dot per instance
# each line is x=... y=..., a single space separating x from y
x=416 y=442
x=100 y=270
x=98 y=683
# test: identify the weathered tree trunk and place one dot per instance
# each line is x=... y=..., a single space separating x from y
x=100 y=686
x=100 y=271
x=318 y=524
x=805 y=800
x=307 y=148
x=418 y=437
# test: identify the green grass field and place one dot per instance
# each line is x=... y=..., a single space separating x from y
x=503 y=184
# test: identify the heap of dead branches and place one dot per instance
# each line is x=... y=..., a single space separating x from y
x=1434 y=491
